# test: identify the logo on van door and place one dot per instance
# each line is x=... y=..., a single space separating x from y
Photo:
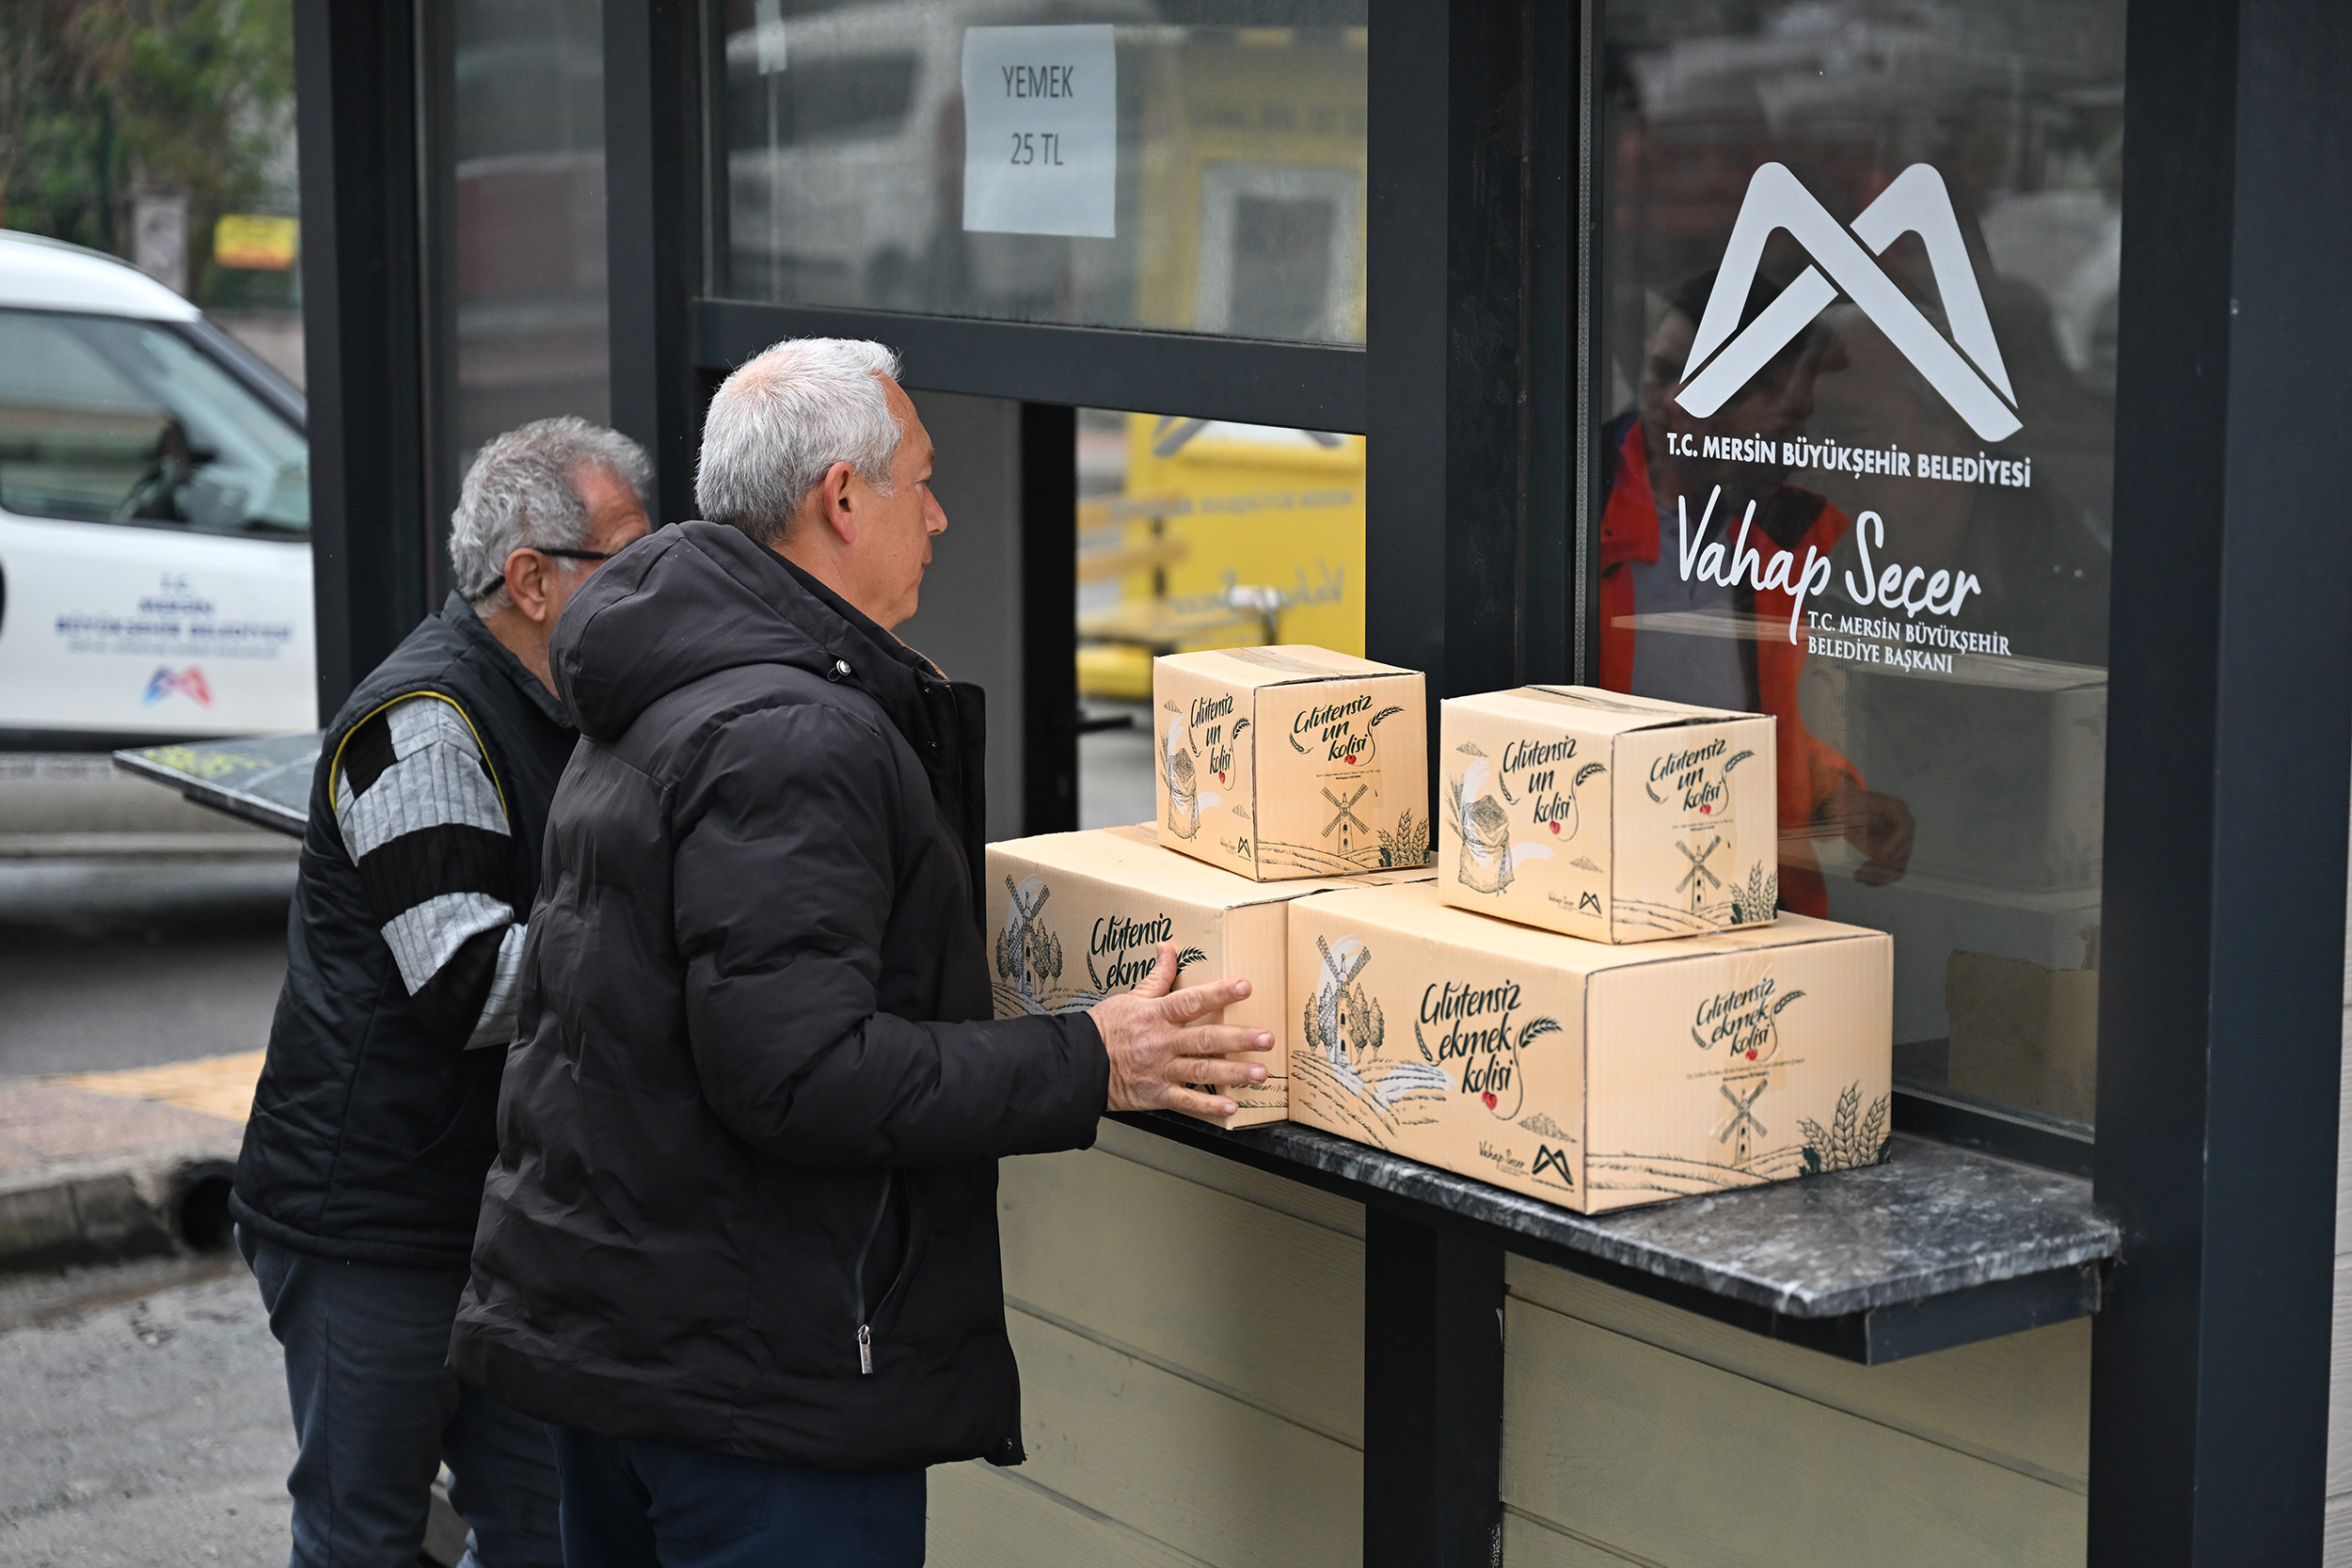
x=1965 y=368
x=188 y=683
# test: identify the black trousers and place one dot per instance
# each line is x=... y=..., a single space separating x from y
x=376 y=1412
x=655 y=1505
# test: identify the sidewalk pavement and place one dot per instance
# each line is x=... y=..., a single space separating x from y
x=104 y=1166
x=98 y=1167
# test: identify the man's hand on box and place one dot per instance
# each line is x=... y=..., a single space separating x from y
x=1158 y=1050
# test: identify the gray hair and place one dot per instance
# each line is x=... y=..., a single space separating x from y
x=783 y=419
x=519 y=495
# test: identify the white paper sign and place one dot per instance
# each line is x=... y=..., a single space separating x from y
x=1041 y=131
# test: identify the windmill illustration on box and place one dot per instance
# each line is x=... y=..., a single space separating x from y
x=1736 y=1127
x=1028 y=957
x=1701 y=876
x=1346 y=823
x=1345 y=1027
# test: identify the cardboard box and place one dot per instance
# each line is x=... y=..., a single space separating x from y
x=2023 y=1034
x=1291 y=760
x=1075 y=917
x=2003 y=763
x=1597 y=1077
x=1609 y=817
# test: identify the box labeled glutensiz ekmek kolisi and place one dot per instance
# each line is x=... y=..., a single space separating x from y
x=1597 y=1077
x=1291 y=760
x=1075 y=917
x=1605 y=817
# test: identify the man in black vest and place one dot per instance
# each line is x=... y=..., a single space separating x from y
x=373 y=1122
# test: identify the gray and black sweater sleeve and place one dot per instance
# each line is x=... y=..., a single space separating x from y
x=422 y=820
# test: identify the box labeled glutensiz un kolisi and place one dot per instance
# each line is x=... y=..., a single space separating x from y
x=1598 y=1077
x=1605 y=817
x=1291 y=760
x=1075 y=917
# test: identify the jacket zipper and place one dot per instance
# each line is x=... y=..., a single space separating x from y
x=857 y=1275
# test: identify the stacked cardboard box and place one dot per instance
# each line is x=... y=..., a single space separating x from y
x=1280 y=771
x=1597 y=1003
x=1074 y=917
x=1591 y=1074
x=1610 y=817
x=1589 y=998
x=1291 y=760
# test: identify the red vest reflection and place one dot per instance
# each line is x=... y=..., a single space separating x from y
x=1813 y=776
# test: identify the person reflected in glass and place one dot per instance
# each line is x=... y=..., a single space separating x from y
x=154 y=496
x=1669 y=629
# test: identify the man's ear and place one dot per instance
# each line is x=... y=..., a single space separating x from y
x=840 y=501
x=526 y=582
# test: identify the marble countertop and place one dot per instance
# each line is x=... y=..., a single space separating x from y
x=1933 y=1221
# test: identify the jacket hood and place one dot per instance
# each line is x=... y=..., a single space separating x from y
x=689 y=601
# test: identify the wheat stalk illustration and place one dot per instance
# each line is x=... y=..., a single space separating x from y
x=1851 y=1139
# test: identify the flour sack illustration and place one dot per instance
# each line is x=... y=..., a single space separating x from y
x=1186 y=800
x=1488 y=857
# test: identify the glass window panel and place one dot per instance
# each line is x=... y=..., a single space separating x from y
x=528 y=144
x=1235 y=188
x=1859 y=276
x=1199 y=534
x=109 y=420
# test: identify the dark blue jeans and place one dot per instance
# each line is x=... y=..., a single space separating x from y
x=654 y=1505
x=377 y=1413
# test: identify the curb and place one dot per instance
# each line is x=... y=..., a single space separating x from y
x=141 y=1203
x=253 y=844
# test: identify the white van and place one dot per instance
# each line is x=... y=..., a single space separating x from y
x=154 y=515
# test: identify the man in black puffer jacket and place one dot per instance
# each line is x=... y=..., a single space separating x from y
x=740 y=1247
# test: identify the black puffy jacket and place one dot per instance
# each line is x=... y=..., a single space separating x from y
x=745 y=1193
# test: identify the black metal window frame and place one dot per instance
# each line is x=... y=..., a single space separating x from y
x=2230 y=737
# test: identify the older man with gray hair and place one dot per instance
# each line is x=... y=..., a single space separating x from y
x=740 y=1247
x=357 y=1188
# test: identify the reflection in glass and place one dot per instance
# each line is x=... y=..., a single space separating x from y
x=1239 y=185
x=528 y=143
x=1859 y=278
x=1198 y=533
x=104 y=419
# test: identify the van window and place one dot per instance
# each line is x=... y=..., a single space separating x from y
x=108 y=420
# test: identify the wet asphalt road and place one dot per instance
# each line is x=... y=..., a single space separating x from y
x=144 y=1421
x=127 y=961
x=142 y=1406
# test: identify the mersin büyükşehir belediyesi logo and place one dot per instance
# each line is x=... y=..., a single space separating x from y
x=1977 y=386
x=188 y=683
